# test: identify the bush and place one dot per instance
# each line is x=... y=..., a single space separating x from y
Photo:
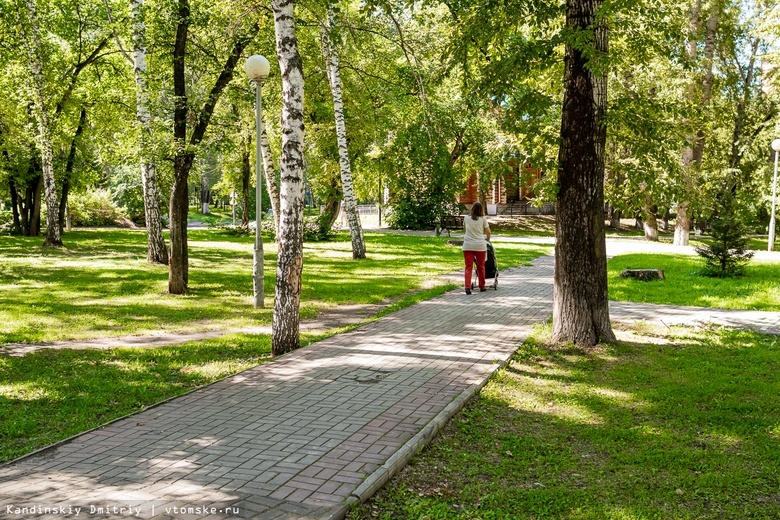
x=726 y=256
x=6 y=221
x=94 y=208
x=416 y=214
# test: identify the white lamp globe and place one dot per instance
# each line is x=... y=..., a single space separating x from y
x=257 y=67
x=776 y=145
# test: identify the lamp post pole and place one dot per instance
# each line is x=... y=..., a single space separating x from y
x=771 y=245
x=257 y=68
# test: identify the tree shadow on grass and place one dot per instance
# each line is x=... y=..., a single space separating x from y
x=55 y=393
x=633 y=430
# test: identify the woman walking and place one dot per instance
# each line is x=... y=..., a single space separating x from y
x=474 y=246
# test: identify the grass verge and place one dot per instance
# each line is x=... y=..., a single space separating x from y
x=100 y=284
x=52 y=394
x=672 y=424
x=758 y=289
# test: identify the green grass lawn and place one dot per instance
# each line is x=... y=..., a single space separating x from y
x=661 y=425
x=99 y=284
x=758 y=289
x=49 y=395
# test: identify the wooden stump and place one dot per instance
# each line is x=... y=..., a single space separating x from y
x=645 y=275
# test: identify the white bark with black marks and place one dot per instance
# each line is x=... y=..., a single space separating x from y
x=53 y=236
x=286 y=319
x=156 y=251
x=334 y=75
x=270 y=176
x=580 y=301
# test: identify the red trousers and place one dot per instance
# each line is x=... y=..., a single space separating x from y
x=479 y=258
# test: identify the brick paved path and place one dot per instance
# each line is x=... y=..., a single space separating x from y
x=295 y=438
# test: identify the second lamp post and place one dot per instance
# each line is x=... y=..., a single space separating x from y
x=257 y=68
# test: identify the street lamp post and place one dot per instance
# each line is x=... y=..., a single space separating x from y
x=771 y=246
x=257 y=68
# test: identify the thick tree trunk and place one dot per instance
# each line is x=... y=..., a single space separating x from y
x=286 y=319
x=270 y=176
x=157 y=253
x=580 y=301
x=53 y=236
x=353 y=217
x=614 y=220
x=650 y=221
x=185 y=154
x=178 y=272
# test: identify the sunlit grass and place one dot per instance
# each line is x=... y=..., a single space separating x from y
x=758 y=289
x=674 y=423
x=100 y=283
x=52 y=394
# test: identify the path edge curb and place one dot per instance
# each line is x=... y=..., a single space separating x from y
x=376 y=480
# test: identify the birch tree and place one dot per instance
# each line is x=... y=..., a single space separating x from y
x=334 y=76
x=35 y=57
x=580 y=302
x=156 y=250
x=272 y=185
x=286 y=317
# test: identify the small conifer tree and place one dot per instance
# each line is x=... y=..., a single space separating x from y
x=727 y=255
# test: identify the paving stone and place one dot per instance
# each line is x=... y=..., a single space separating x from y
x=295 y=437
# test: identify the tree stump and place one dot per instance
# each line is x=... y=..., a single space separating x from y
x=645 y=275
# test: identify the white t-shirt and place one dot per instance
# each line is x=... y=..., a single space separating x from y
x=474 y=239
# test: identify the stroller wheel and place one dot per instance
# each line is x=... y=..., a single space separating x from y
x=495 y=282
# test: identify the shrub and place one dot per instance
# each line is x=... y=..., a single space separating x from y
x=94 y=208
x=6 y=221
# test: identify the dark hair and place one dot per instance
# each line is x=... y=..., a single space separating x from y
x=476 y=211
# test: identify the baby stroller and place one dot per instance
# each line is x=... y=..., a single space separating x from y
x=491 y=269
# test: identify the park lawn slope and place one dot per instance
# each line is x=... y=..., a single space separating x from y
x=663 y=424
x=100 y=284
x=758 y=289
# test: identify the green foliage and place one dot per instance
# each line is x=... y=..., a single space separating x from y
x=427 y=185
x=94 y=208
x=127 y=191
x=6 y=220
x=726 y=256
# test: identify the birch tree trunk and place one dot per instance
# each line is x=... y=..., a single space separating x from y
x=53 y=236
x=271 y=184
x=286 y=320
x=157 y=253
x=580 y=302
x=353 y=217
